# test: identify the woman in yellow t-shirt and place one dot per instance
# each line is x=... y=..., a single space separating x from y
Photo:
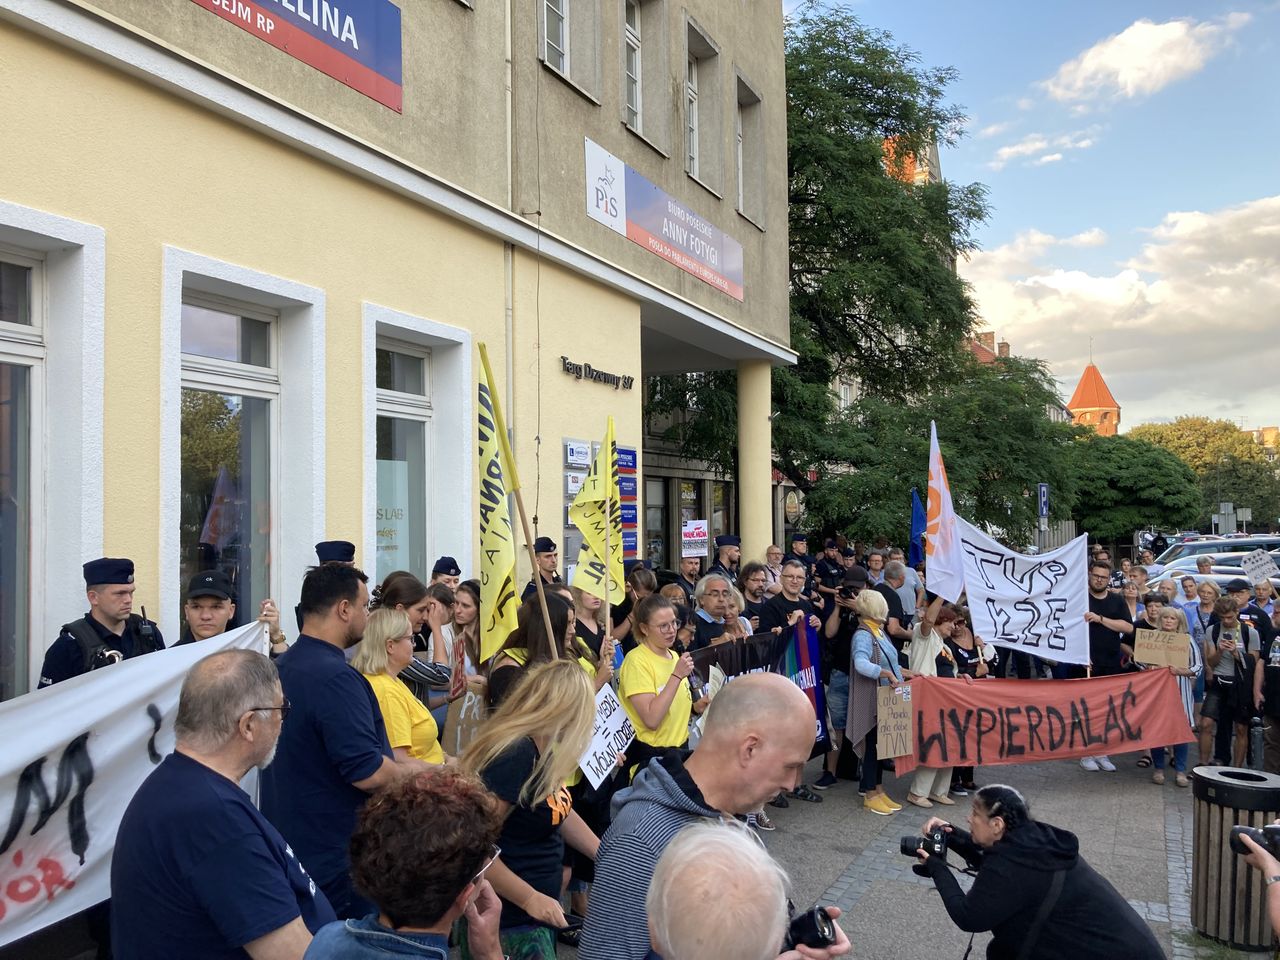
x=652 y=682
x=385 y=650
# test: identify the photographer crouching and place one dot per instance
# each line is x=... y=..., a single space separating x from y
x=1031 y=888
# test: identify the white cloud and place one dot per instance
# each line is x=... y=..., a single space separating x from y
x=1142 y=59
x=1042 y=148
x=1026 y=103
x=995 y=129
x=1169 y=326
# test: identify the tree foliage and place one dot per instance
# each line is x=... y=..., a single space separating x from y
x=1200 y=442
x=996 y=436
x=1124 y=485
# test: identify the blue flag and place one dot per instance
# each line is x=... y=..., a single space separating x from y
x=915 y=554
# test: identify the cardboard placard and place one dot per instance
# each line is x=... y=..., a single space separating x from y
x=894 y=736
x=1161 y=649
x=464 y=719
x=1259 y=565
x=610 y=736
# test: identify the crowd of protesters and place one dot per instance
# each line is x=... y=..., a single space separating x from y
x=370 y=838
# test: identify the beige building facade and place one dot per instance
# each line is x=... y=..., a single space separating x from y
x=243 y=281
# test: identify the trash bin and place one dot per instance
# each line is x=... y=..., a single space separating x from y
x=1228 y=897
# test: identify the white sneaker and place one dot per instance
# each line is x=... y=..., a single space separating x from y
x=1104 y=763
x=1090 y=764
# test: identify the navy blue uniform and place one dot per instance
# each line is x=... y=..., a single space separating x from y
x=65 y=659
x=198 y=872
x=335 y=736
x=531 y=589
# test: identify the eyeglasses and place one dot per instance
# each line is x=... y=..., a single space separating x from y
x=496 y=852
x=284 y=709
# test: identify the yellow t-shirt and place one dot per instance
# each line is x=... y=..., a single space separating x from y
x=409 y=724
x=644 y=671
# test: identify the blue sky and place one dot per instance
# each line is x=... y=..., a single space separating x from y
x=1131 y=151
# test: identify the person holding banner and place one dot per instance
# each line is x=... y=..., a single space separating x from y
x=1033 y=890
x=929 y=656
x=875 y=664
x=530 y=645
x=1172 y=620
x=524 y=754
x=1110 y=631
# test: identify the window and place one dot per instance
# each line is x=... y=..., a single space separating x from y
x=703 y=117
x=230 y=391
x=749 y=160
x=633 y=75
x=691 y=118
x=556 y=49
x=656 y=519
x=21 y=363
x=404 y=417
x=721 y=508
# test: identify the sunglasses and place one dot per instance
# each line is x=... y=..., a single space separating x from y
x=494 y=854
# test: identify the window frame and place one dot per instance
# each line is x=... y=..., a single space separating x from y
x=632 y=42
x=692 y=132
x=29 y=335
x=561 y=9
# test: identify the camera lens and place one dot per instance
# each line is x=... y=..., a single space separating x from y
x=909 y=846
x=813 y=928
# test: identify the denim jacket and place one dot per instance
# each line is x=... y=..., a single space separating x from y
x=367 y=939
x=865 y=664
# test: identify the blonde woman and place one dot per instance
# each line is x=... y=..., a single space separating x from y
x=1173 y=620
x=524 y=754
x=875 y=664
x=384 y=651
x=594 y=645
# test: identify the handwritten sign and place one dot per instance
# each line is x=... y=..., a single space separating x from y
x=893 y=722
x=610 y=736
x=693 y=538
x=1259 y=565
x=1161 y=649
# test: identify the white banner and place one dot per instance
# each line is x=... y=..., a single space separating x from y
x=1033 y=604
x=1258 y=565
x=944 y=565
x=74 y=755
x=611 y=736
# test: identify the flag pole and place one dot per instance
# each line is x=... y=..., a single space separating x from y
x=501 y=425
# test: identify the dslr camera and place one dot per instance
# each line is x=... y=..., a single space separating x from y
x=813 y=928
x=934 y=844
x=1268 y=838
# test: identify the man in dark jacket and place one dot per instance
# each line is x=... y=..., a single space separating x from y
x=1033 y=890
x=764 y=717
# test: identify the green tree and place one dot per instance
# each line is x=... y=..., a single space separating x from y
x=1245 y=483
x=874 y=293
x=993 y=470
x=1200 y=442
x=1123 y=485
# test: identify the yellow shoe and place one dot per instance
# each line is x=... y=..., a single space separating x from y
x=875 y=805
x=895 y=807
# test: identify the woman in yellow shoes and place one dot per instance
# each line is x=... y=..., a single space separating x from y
x=875 y=664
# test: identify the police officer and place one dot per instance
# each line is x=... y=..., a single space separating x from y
x=330 y=551
x=447 y=571
x=548 y=558
x=830 y=571
x=800 y=553
x=728 y=554
x=210 y=610
x=109 y=632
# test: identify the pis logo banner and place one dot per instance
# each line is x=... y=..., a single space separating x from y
x=357 y=42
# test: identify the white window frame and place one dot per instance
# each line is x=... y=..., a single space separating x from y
x=66 y=423
x=413 y=407
x=633 y=83
x=691 y=131
x=737 y=121
x=450 y=446
x=298 y=456
x=560 y=9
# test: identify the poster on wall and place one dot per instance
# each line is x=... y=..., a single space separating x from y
x=393 y=516
x=357 y=42
x=694 y=538
x=632 y=205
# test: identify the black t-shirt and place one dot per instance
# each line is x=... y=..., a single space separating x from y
x=592 y=640
x=778 y=609
x=532 y=847
x=895 y=607
x=1257 y=618
x=1104 y=643
x=752 y=608
x=840 y=647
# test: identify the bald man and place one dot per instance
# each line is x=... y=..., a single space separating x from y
x=742 y=893
x=759 y=734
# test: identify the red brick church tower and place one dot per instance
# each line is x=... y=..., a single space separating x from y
x=1092 y=405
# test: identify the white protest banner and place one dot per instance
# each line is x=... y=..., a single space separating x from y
x=1259 y=565
x=611 y=736
x=1032 y=604
x=75 y=754
x=694 y=538
x=941 y=546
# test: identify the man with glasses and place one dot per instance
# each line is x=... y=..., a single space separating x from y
x=712 y=597
x=197 y=871
x=420 y=852
x=1109 y=626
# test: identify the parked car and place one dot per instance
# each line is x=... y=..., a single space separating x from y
x=1240 y=544
x=1234 y=560
x=1220 y=575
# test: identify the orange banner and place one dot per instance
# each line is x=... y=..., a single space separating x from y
x=989 y=722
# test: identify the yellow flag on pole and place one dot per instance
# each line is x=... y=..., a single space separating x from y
x=597 y=513
x=498 y=600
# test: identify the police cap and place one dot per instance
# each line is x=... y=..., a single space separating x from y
x=544 y=545
x=108 y=570
x=446 y=566
x=728 y=540
x=336 y=551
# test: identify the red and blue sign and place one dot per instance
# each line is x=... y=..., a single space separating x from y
x=357 y=42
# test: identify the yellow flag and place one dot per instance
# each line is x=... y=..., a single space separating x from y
x=597 y=513
x=498 y=600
